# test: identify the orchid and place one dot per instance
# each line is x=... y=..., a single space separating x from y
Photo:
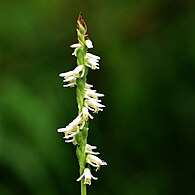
x=88 y=100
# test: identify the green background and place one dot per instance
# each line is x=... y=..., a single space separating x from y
x=146 y=133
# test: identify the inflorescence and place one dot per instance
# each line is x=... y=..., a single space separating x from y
x=88 y=101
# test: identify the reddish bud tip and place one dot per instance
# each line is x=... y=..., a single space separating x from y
x=80 y=21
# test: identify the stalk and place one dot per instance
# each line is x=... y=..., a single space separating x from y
x=82 y=136
x=76 y=132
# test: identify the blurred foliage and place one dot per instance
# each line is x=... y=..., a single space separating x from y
x=146 y=133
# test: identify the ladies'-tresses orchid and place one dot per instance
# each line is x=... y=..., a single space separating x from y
x=92 y=61
x=88 y=43
x=76 y=132
x=71 y=76
x=88 y=86
x=87 y=176
x=93 y=94
x=72 y=129
x=89 y=149
x=86 y=114
x=94 y=105
x=92 y=101
x=95 y=161
x=76 y=46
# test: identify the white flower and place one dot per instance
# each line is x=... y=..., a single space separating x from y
x=93 y=105
x=95 y=161
x=72 y=129
x=87 y=176
x=89 y=149
x=89 y=43
x=92 y=61
x=77 y=120
x=69 y=131
x=75 y=46
x=79 y=71
x=88 y=86
x=92 y=101
x=92 y=64
x=73 y=140
x=71 y=76
x=73 y=73
x=86 y=114
x=92 y=56
x=93 y=94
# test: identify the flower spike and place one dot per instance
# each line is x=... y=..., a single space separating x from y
x=88 y=100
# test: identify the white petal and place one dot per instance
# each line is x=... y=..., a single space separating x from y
x=92 y=98
x=87 y=173
x=83 y=73
x=90 y=116
x=95 y=178
x=78 y=69
x=76 y=45
x=92 y=109
x=71 y=135
x=95 y=153
x=80 y=177
x=96 y=160
x=90 y=55
x=89 y=149
x=64 y=74
x=70 y=85
x=94 y=93
x=71 y=78
x=61 y=130
x=90 y=60
x=76 y=121
x=92 y=102
x=88 y=86
x=88 y=146
x=75 y=52
x=88 y=43
x=92 y=164
x=71 y=140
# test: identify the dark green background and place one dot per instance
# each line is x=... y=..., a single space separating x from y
x=147 y=131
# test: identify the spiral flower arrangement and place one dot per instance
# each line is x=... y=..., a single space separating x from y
x=76 y=132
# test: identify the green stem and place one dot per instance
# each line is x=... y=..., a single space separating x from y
x=83 y=188
x=82 y=136
x=82 y=141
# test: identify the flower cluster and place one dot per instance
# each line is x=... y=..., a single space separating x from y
x=88 y=99
x=92 y=103
x=93 y=161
